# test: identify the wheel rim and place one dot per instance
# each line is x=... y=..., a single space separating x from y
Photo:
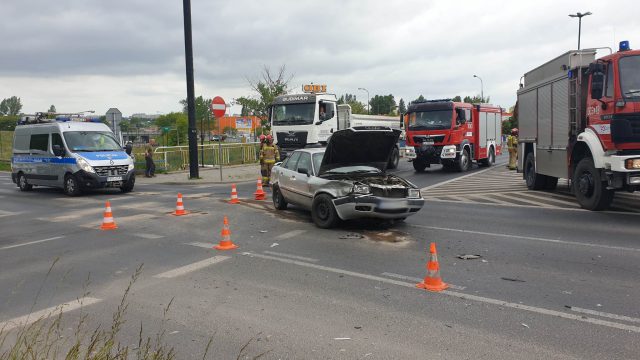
x=492 y=157
x=23 y=182
x=71 y=185
x=585 y=184
x=322 y=210
x=464 y=161
x=276 y=197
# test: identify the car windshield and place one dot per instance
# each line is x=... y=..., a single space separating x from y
x=317 y=160
x=630 y=76
x=430 y=120
x=356 y=169
x=293 y=114
x=91 y=141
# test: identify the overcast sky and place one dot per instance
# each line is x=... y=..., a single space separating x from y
x=129 y=54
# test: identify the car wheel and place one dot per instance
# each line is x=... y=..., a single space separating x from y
x=71 y=185
x=278 y=200
x=395 y=159
x=23 y=184
x=464 y=163
x=418 y=165
x=590 y=190
x=128 y=186
x=323 y=212
x=534 y=180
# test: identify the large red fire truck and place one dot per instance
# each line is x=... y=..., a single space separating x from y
x=579 y=119
x=453 y=134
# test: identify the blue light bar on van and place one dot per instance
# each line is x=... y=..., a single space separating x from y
x=624 y=45
x=63 y=118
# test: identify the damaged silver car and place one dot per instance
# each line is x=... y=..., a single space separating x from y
x=347 y=180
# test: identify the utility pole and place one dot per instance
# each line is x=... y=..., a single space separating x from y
x=579 y=16
x=481 y=88
x=191 y=107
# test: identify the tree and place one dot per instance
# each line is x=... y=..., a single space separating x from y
x=419 y=99
x=402 y=108
x=457 y=98
x=266 y=89
x=356 y=106
x=476 y=99
x=174 y=127
x=10 y=106
x=52 y=109
x=125 y=125
x=382 y=105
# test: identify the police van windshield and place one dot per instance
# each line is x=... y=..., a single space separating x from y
x=293 y=114
x=430 y=120
x=91 y=141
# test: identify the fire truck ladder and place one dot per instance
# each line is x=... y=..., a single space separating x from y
x=573 y=105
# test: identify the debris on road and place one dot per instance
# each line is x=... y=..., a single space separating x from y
x=342 y=338
x=263 y=231
x=351 y=236
x=512 y=279
x=484 y=261
x=525 y=325
x=274 y=245
x=357 y=327
x=469 y=257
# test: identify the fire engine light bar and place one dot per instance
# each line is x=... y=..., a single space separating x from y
x=624 y=45
x=632 y=164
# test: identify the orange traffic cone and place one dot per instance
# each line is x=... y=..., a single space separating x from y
x=107 y=221
x=432 y=281
x=234 y=195
x=225 y=242
x=179 y=207
x=260 y=194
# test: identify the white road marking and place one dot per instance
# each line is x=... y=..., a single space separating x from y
x=555 y=241
x=30 y=243
x=290 y=256
x=4 y=213
x=604 y=314
x=148 y=236
x=455 y=179
x=52 y=311
x=459 y=295
x=290 y=234
x=202 y=245
x=512 y=196
x=417 y=280
x=191 y=267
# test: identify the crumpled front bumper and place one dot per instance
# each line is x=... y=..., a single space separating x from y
x=368 y=206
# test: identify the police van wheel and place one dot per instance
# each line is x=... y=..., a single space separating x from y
x=71 y=185
x=128 y=186
x=23 y=184
x=278 y=200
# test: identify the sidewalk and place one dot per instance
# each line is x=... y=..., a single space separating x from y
x=208 y=175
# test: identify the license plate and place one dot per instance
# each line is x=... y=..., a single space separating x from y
x=429 y=142
x=114 y=178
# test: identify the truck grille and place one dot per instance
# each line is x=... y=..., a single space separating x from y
x=436 y=139
x=389 y=192
x=111 y=170
x=625 y=128
x=296 y=139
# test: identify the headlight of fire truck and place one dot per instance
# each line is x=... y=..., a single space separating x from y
x=448 y=152
x=84 y=165
x=632 y=164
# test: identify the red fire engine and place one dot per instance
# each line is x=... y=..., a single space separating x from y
x=453 y=134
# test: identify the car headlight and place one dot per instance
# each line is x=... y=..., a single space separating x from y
x=361 y=189
x=84 y=165
x=414 y=193
x=132 y=166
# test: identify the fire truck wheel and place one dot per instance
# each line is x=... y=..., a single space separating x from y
x=490 y=160
x=534 y=180
x=590 y=190
x=464 y=163
x=418 y=165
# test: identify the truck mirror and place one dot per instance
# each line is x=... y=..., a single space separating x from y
x=597 y=85
x=58 y=150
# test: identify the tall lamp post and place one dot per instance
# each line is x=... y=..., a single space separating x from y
x=579 y=16
x=481 y=88
x=368 y=106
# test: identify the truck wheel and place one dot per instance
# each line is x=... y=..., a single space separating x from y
x=71 y=185
x=278 y=200
x=464 y=163
x=23 y=184
x=323 y=213
x=418 y=165
x=395 y=159
x=490 y=160
x=534 y=180
x=551 y=183
x=590 y=190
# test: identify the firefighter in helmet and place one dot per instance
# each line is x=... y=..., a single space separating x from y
x=512 y=145
x=268 y=155
x=263 y=169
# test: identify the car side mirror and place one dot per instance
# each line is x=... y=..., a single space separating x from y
x=128 y=149
x=304 y=171
x=58 y=150
x=597 y=85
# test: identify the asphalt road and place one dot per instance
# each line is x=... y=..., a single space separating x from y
x=552 y=281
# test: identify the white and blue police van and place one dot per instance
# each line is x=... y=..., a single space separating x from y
x=70 y=152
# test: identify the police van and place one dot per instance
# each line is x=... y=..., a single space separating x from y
x=69 y=152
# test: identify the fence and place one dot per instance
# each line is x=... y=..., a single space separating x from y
x=172 y=158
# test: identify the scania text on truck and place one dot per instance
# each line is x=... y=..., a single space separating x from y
x=308 y=120
x=453 y=134
x=579 y=118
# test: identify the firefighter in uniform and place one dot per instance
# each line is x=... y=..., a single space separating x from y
x=512 y=145
x=269 y=155
x=263 y=168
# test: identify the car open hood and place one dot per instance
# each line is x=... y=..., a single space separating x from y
x=365 y=145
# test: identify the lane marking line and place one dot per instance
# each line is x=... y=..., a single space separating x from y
x=554 y=241
x=52 y=311
x=290 y=256
x=455 y=179
x=604 y=314
x=149 y=236
x=290 y=234
x=459 y=295
x=191 y=267
x=4 y=213
x=30 y=243
x=417 y=280
x=201 y=244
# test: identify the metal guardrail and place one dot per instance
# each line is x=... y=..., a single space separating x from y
x=172 y=158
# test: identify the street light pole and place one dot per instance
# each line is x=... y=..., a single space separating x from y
x=481 y=88
x=579 y=16
x=368 y=105
x=191 y=106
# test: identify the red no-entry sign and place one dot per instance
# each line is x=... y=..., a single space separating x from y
x=218 y=107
